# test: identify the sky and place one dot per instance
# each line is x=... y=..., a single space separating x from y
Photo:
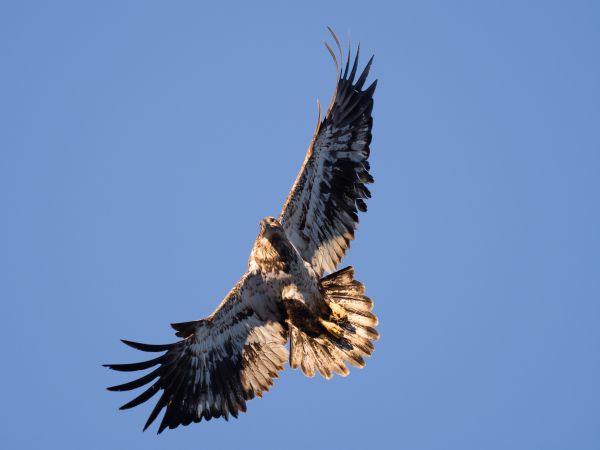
x=142 y=142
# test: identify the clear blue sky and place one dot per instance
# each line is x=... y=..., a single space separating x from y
x=141 y=143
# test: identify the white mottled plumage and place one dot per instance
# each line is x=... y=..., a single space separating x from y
x=234 y=354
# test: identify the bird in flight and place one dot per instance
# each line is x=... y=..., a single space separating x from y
x=235 y=353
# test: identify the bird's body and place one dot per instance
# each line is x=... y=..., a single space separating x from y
x=235 y=353
x=279 y=265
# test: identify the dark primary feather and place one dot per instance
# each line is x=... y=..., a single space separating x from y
x=321 y=211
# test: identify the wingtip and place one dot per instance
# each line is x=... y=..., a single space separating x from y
x=372 y=87
x=355 y=64
x=331 y=52
x=147 y=425
x=147 y=347
x=365 y=73
x=337 y=43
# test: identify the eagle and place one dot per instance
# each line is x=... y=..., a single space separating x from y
x=291 y=290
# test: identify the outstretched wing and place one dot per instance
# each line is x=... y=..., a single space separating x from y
x=321 y=211
x=221 y=362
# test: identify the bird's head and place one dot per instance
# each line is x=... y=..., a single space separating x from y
x=270 y=226
x=272 y=248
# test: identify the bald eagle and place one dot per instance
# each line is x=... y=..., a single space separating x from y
x=235 y=353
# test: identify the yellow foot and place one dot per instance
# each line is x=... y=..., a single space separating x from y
x=333 y=328
x=338 y=313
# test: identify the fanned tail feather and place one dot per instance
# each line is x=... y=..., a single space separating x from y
x=344 y=336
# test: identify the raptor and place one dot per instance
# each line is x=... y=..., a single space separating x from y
x=291 y=290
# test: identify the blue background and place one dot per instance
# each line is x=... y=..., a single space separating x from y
x=141 y=143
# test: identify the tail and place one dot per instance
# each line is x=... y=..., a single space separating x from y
x=343 y=334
